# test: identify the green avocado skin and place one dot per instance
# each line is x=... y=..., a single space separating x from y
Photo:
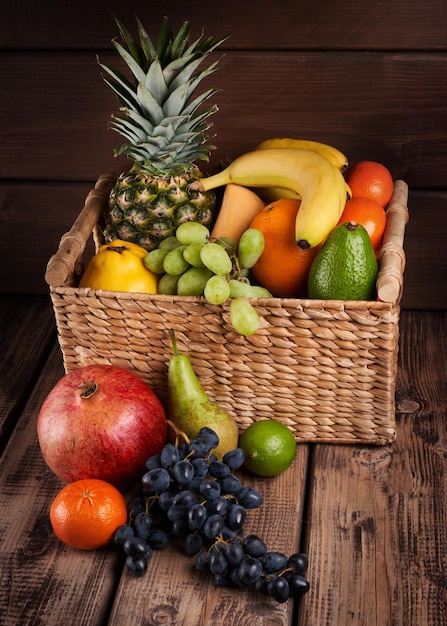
x=346 y=267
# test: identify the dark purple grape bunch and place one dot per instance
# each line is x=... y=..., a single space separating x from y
x=188 y=494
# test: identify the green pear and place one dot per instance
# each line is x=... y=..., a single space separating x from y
x=189 y=407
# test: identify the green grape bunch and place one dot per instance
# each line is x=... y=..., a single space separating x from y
x=190 y=263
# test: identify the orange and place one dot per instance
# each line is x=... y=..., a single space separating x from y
x=86 y=513
x=369 y=179
x=368 y=214
x=283 y=266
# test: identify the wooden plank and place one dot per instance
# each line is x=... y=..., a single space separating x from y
x=359 y=102
x=173 y=591
x=28 y=238
x=27 y=332
x=426 y=252
x=42 y=581
x=377 y=529
x=288 y=25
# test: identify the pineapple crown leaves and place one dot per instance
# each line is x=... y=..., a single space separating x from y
x=159 y=116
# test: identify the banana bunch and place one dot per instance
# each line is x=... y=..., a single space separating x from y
x=332 y=154
x=293 y=168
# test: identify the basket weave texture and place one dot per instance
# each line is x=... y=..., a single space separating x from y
x=325 y=368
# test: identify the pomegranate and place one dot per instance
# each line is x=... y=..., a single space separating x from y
x=101 y=421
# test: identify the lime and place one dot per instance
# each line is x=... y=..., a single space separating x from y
x=269 y=447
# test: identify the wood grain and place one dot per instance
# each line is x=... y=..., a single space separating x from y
x=386 y=506
x=287 y=25
x=359 y=102
x=20 y=363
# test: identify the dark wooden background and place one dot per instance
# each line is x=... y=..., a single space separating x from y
x=368 y=77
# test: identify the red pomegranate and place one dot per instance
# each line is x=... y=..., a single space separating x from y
x=101 y=421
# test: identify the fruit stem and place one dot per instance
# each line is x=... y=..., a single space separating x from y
x=303 y=244
x=87 y=389
x=178 y=433
x=220 y=179
x=174 y=342
x=119 y=249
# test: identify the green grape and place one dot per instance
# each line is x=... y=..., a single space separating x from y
x=193 y=281
x=251 y=246
x=243 y=289
x=260 y=292
x=167 y=285
x=174 y=262
x=244 y=318
x=228 y=244
x=169 y=243
x=216 y=258
x=217 y=290
x=192 y=254
x=239 y=289
x=154 y=260
x=192 y=232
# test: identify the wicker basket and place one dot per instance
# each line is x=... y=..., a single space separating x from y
x=327 y=369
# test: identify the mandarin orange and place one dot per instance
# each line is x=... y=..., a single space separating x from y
x=86 y=513
x=370 y=215
x=369 y=179
x=283 y=266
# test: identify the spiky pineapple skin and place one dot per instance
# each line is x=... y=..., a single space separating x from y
x=145 y=209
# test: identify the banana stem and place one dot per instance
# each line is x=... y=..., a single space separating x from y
x=211 y=182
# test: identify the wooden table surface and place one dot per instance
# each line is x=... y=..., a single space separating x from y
x=373 y=520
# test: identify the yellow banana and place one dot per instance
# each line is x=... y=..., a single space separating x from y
x=270 y=194
x=333 y=155
x=318 y=183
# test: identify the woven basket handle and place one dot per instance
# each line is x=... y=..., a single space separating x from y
x=72 y=245
x=392 y=256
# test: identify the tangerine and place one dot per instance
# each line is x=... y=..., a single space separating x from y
x=369 y=179
x=283 y=266
x=369 y=214
x=86 y=513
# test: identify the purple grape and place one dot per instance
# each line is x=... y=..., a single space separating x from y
x=235 y=516
x=254 y=546
x=123 y=532
x=234 y=458
x=278 y=588
x=250 y=569
x=137 y=565
x=273 y=562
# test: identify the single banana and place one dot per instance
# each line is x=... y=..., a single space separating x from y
x=318 y=183
x=333 y=155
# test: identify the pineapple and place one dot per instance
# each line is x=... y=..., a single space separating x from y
x=166 y=132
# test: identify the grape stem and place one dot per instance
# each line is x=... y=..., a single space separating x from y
x=178 y=433
x=237 y=271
